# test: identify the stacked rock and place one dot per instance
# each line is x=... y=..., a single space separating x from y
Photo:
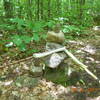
x=55 y=39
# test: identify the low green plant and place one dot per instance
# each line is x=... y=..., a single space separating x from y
x=18 y=23
x=71 y=29
x=21 y=41
x=34 y=32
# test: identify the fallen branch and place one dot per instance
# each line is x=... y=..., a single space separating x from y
x=80 y=63
x=39 y=55
x=16 y=62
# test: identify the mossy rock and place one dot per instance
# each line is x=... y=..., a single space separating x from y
x=26 y=81
x=56 y=75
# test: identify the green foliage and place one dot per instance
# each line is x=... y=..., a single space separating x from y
x=5 y=26
x=73 y=17
x=36 y=37
x=30 y=51
x=36 y=32
x=38 y=26
x=18 y=22
x=21 y=41
x=71 y=29
x=61 y=20
x=50 y=24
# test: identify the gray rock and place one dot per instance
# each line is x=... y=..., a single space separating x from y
x=89 y=49
x=52 y=46
x=55 y=37
x=26 y=81
x=55 y=59
x=1 y=35
x=36 y=71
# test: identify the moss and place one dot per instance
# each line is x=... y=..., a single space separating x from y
x=56 y=75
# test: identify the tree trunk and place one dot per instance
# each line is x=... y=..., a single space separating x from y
x=20 y=9
x=8 y=7
x=69 y=4
x=38 y=10
x=29 y=11
x=49 y=9
x=82 y=3
x=58 y=7
x=41 y=3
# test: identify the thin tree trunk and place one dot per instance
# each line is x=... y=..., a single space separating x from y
x=20 y=9
x=69 y=7
x=38 y=10
x=58 y=7
x=29 y=13
x=8 y=7
x=82 y=3
x=49 y=9
x=41 y=3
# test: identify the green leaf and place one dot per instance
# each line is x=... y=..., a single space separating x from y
x=30 y=51
x=34 y=50
x=22 y=47
x=36 y=37
x=82 y=81
x=26 y=38
x=38 y=26
x=43 y=36
x=18 y=21
x=50 y=24
x=29 y=24
x=17 y=40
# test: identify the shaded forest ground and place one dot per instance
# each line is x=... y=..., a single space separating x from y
x=17 y=84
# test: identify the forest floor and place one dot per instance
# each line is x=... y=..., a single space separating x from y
x=16 y=83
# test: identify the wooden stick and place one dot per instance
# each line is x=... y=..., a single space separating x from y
x=9 y=64
x=39 y=55
x=80 y=63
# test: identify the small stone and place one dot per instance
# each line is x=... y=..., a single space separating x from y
x=96 y=28
x=26 y=81
x=1 y=35
x=89 y=49
x=36 y=71
x=8 y=83
x=9 y=44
